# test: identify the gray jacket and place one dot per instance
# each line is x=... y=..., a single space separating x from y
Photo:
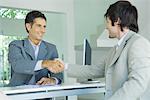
x=22 y=60
x=127 y=71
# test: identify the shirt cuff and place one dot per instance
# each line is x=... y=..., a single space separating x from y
x=66 y=66
x=56 y=80
x=59 y=60
x=38 y=65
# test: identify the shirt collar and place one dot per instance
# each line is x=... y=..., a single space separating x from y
x=33 y=43
x=121 y=40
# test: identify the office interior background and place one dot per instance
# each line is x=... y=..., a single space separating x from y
x=68 y=23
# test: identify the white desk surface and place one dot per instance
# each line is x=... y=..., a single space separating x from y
x=36 y=91
x=39 y=88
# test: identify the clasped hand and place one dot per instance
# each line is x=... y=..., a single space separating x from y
x=54 y=66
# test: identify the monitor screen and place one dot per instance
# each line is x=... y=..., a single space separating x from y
x=86 y=53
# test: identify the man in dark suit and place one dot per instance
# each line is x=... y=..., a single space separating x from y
x=33 y=61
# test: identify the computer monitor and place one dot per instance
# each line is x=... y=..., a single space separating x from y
x=86 y=53
x=87 y=57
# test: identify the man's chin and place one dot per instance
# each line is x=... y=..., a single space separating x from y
x=39 y=39
x=111 y=37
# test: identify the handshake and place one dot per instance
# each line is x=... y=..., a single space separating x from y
x=54 y=66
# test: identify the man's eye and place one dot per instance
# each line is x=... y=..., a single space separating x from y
x=39 y=25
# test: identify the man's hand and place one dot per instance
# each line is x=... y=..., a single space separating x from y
x=54 y=66
x=46 y=81
x=3 y=96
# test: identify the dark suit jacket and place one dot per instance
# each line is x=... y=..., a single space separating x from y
x=22 y=59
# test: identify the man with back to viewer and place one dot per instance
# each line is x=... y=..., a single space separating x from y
x=127 y=66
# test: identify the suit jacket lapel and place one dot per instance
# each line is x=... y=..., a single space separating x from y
x=28 y=48
x=42 y=51
x=113 y=52
x=121 y=47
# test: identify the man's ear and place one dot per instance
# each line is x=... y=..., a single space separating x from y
x=28 y=26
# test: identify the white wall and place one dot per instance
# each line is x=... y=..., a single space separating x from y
x=89 y=16
x=56 y=32
x=144 y=14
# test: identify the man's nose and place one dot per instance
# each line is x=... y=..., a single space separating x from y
x=43 y=30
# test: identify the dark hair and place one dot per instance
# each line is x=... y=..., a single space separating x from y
x=126 y=13
x=32 y=15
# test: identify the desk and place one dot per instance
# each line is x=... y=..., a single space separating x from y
x=38 y=92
